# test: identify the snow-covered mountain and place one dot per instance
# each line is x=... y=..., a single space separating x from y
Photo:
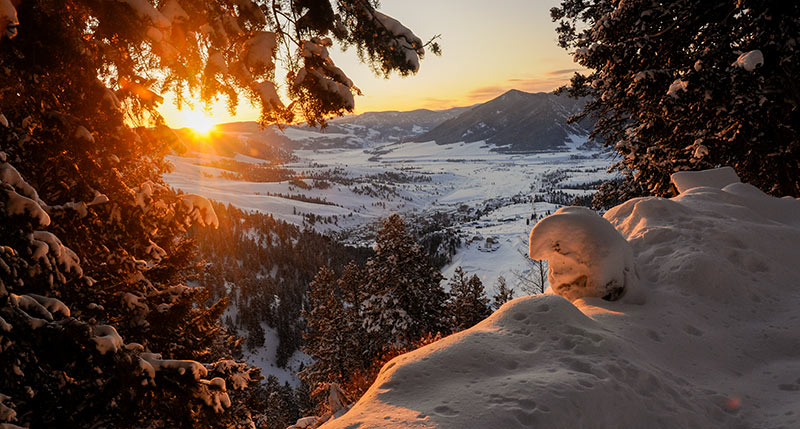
x=369 y=129
x=516 y=121
x=710 y=339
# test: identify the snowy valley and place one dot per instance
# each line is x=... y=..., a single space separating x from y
x=346 y=191
x=475 y=201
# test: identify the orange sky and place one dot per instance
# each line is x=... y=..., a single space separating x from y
x=489 y=47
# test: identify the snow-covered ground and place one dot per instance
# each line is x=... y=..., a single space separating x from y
x=711 y=339
x=264 y=358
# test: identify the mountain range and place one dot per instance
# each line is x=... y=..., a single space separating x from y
x=516 y=121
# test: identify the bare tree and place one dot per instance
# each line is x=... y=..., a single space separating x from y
x=532 y=280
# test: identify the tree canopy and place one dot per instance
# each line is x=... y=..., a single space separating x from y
x=682 y=85
x=102 y=322
x=140 y=49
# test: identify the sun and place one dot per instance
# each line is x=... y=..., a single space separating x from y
x=199 y=122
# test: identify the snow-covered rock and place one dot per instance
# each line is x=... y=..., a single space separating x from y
x=586 y=256
x=714 y=345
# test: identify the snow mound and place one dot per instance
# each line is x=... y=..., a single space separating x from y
x=716 y=178
x=714 y=345
x=586 y=255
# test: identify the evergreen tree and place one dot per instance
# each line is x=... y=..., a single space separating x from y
x=468 y=303
x=326 y=332
x=99 y=325
x=681 y=85
x=504 y=293
x=404 y=298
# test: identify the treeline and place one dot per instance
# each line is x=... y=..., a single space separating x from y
x=391 y=304
x=249 y=172
x=263 y=266
x=351 y=309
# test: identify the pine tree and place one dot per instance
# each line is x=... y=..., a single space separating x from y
x=504 y=293
x=468 y=303
x=404 y=299
x=690 y=85
x=125 y=338
x=323 y=330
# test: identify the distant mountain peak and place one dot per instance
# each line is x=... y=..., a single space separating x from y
x=515 y=121
x=513 y=92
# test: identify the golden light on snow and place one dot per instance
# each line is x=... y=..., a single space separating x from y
x=199 y=122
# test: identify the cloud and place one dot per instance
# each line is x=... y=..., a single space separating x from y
x=562 y=72
x=435 y=103
x=486 y=92
x=544 y=84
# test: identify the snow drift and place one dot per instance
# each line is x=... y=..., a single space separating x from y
x=586 y=256
x=715 y=343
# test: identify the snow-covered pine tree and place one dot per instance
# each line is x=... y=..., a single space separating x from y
x=67 y=364
x=504 y=293
x=75 y=75
x=468 y=303
x=682 y=85
x=327 y=332
x=404 y=299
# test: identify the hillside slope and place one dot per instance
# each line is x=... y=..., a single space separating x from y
x=711 y=341
x=517 y=121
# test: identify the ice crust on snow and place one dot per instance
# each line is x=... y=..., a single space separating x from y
x=713 y=345
x=716 y=178
x=586 y=256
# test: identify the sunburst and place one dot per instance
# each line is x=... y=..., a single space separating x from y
x=199 y=122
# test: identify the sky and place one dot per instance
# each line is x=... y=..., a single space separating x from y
x=488 y=48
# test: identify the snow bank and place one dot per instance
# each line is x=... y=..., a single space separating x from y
x=714 y=345
x=716 y=178
x=586 y=255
